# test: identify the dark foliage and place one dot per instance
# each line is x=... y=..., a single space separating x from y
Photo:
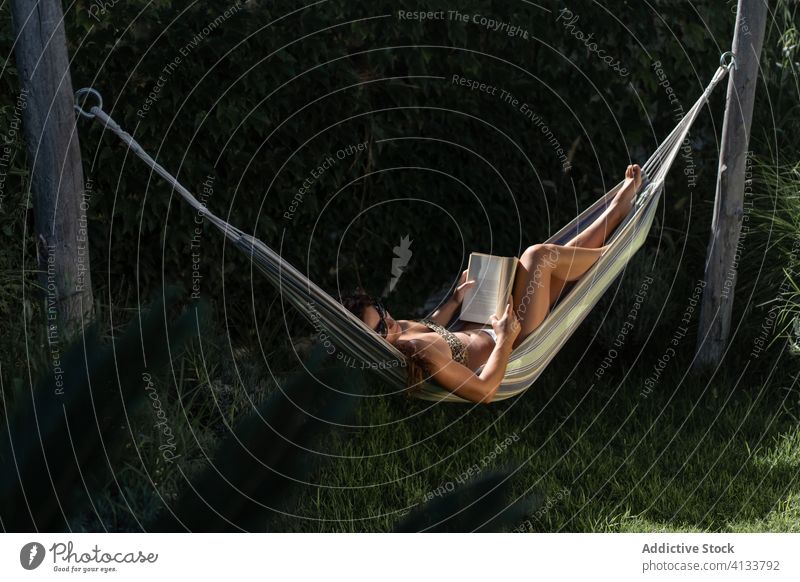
x=63 y=438
x=256 y=106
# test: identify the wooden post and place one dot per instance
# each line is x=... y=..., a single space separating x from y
x=55 y=160
x=721 y=260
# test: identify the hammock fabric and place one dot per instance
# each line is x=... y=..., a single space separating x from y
x=531 y=357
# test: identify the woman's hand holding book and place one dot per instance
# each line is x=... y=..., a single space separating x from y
x=506 y=327
x=461 y=288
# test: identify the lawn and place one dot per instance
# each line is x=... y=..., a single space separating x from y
x=692 y=455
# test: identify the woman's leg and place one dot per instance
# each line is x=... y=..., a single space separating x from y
x=541 y=270
x=596 y=233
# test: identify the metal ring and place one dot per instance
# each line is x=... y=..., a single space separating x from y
x=87 y=91
x=731 y=62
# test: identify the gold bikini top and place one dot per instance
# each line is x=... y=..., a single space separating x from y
x=457 y=347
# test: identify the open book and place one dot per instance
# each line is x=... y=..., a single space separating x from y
x=494 y=280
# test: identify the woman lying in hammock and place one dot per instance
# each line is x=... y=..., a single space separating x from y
x=451 y=359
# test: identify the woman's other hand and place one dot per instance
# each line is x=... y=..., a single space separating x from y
x=461 y=288
x=506 y=327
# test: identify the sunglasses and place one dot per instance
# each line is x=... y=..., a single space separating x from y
x=382 y=328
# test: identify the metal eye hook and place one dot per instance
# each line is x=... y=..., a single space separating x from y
x=87 y=91
x=731 y=62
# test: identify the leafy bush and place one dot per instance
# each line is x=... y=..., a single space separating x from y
x=259 y=107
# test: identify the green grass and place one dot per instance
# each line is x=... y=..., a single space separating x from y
x=691 y=456
x=685 y=458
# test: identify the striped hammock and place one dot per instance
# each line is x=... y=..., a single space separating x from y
x=531 y=357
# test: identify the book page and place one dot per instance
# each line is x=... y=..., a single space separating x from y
x=480 y=302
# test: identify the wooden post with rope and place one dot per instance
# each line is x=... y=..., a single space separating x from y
x=55 y=160
x=721 y=259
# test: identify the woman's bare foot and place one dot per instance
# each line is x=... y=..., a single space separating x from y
x=627 y=192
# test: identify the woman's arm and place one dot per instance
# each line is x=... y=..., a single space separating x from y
x=445 y=313
x=482 y=387
x=463 y=382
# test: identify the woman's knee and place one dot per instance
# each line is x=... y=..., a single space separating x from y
x=530 y=254
x=540 y=255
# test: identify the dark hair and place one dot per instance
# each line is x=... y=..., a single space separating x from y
x=416 y=367
x=356 y=302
